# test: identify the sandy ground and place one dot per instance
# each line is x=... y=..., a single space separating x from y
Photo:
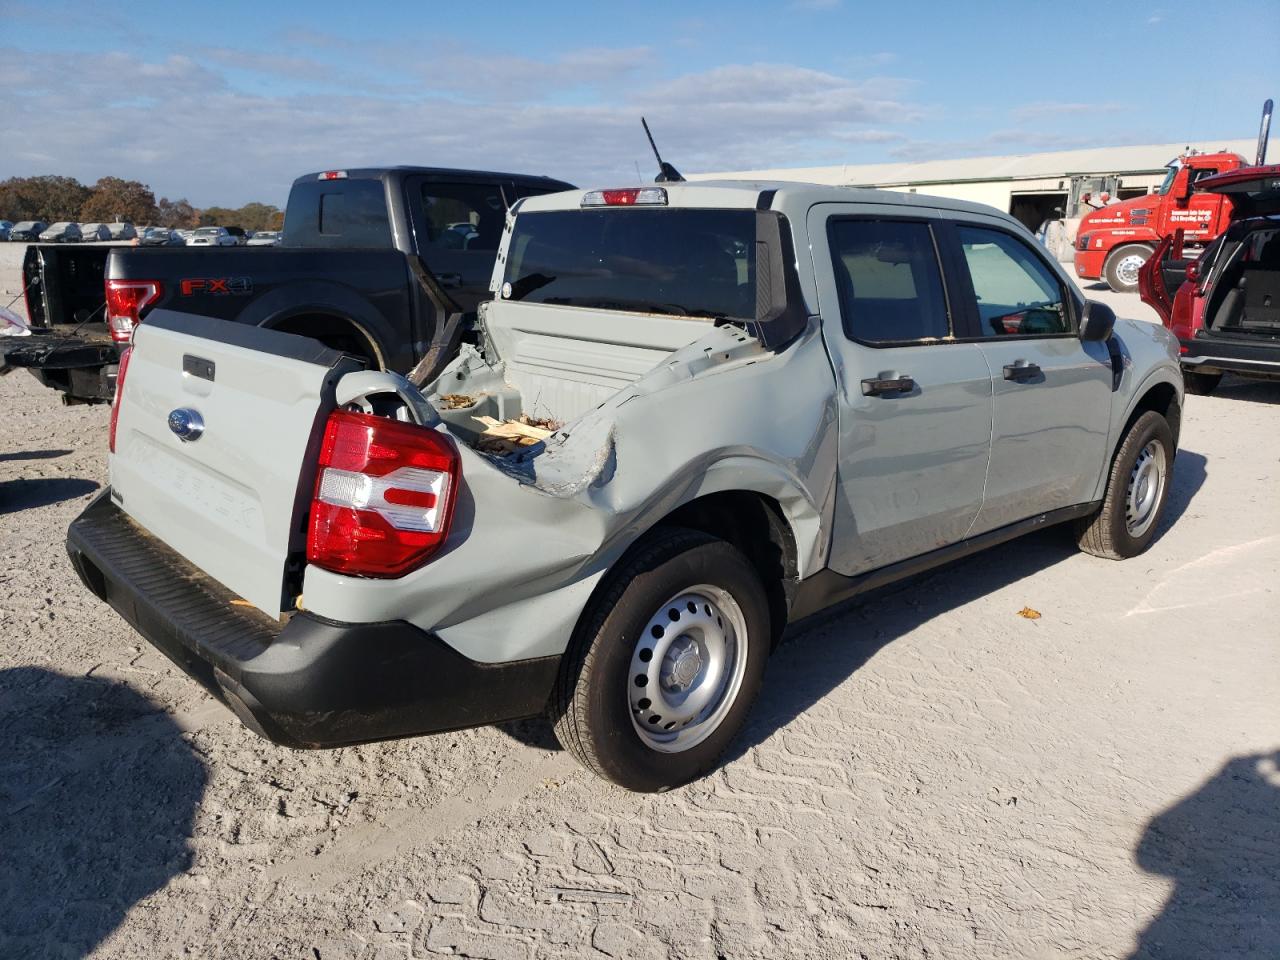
x=927 y=774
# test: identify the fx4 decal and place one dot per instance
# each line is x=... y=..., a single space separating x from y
x=225 y=286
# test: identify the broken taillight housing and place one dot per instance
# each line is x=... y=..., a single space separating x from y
x=127 y=300
x=115 y=402
x=384 y=495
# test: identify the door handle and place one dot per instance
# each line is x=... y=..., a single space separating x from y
x=449 y=280
x=887 y=383
x=1020 y=370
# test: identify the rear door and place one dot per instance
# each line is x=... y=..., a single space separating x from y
x=231 y=494
x=458 y=225
x=914 y=404
x=1052 y=392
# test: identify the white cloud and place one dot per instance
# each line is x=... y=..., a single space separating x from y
x=182 y=126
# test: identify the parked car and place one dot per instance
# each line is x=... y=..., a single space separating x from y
x=186 y=234
x=737 y=438
x=27 y=231
x=379 y=281
x=94 y=232
x=264 y=238
x=160 y=237
x=61 y=232
x=211 y=237
x=5 y=227
x=238 y=235
x=1224 y=305
x=122 y=231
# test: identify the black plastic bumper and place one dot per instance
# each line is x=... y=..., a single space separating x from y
x=1207 y=354
x=310 y=682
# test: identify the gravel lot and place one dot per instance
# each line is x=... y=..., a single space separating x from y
x=927 y=774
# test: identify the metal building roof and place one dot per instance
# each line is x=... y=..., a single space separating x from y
x=1146 y=158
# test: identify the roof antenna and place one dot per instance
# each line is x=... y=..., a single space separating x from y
x=1263 y=132
x=666 y=172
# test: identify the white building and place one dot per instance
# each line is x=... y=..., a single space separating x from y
x=1030 y=185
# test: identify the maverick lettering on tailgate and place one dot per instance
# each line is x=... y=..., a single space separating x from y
x=224 y=286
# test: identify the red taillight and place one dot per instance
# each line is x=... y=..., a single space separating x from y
x=384 y=496
x=127 y=300
x=115 y=403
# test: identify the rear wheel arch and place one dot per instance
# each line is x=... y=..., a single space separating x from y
x=334 y=330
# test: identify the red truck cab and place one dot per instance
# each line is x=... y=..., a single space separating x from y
x=1224 y=306
x=1112 y=243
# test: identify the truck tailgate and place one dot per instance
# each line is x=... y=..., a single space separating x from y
x=231 y=499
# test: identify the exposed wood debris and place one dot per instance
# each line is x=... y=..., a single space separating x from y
x=508 y=436
x=457 y=401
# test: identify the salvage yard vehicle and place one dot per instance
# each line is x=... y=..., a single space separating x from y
x=366 y=265
x=756 y=400
x=61 y=232
x=1224 y=306
x=122 y=230
x=212 y=237
x=27 y=230
x=94 y=232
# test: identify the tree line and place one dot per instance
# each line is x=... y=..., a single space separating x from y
x=53 y=198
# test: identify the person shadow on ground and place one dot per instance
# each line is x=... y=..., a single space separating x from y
x=98 y=795
x=1221 y=848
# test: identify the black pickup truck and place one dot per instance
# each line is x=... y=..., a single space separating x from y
x=387 y=264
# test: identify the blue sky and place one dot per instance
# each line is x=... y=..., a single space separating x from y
x=226 y=102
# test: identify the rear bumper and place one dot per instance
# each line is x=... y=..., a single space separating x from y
x=310 y=682
x=1221 y=355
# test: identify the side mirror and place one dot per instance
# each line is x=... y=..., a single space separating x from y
x=1098 y=321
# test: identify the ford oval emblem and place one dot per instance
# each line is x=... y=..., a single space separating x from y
x=186 y=424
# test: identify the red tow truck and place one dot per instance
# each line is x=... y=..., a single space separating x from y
x=1113 y=242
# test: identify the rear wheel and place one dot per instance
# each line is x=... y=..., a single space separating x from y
x=1137 y=490
x=1122 y=266
x=1201 y=384
x=666 y=662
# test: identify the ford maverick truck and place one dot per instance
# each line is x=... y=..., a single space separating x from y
x=693 y=413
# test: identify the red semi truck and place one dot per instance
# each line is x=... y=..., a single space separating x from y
x=1113 y=242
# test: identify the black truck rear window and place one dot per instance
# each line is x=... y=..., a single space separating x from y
x=683 y=262
x=337 y=213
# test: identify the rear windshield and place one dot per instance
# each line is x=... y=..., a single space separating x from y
x=337 y=213
x=682 y=262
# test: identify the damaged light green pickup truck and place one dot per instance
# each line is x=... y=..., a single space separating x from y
x=691 y=414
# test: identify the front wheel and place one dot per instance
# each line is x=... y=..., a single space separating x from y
x=665 y=663
x=1137 y=490
x=1200 y=384
x=1122 y=266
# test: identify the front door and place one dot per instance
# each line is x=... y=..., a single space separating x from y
x=1052 y=392
x=914 y=405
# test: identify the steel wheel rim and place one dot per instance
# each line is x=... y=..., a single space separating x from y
x=1128 y=267
x=1145 y=490
x=687 y=668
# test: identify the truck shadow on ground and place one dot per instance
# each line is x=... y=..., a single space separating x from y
x=1244 y=388
x=16 y=495
x=33 y=455
x=819 y=653
x=1221 y=848
x=808 y=665
x=98 y=793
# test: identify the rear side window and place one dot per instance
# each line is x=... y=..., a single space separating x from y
x=889 y=281
x=462 y=216
x=1017 y=293
x=337 y=213
x=682 y=262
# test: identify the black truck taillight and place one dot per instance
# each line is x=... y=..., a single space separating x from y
x=127 y=300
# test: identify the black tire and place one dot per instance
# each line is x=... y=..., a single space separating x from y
x=1111 y=269
x=1201 y=384
x=590 y=705
x=1107 y=533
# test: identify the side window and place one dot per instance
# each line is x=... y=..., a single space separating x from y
x=1018 y=294
x=462 y=216
x=889 y=281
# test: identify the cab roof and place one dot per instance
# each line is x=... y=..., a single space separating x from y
x=782 y=195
